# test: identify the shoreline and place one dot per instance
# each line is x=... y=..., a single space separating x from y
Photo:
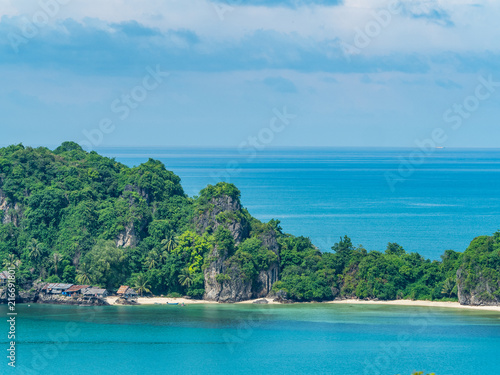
x=419 y=303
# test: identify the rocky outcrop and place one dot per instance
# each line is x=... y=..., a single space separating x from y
x=482 y=292
x=144 y=193
x=261 y=302
x=9 y=212
x=268 y=277
x=22 y=297
x=224 y=281
x=58 y=299
x=127 y=237
x=478 y=277
x=125 y=301
x=223 y=210
x=130 y=235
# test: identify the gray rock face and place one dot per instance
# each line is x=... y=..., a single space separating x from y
x=239 y=228
x=482 y=294
x=268 y=277
x=261 y=302
x=144 y=193
x=10 y=213
x=128 y=237
x=231 y=287
x=125 y=302
x=63 y=300
x=21 y=297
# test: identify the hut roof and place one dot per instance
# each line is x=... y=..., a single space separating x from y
x=56 y=286
x=94 y=291
x=4 y=275
x=63 y=286
x=76 y=288
x=122 y=289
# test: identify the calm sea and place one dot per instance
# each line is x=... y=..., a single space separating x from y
x=442 y=203
x=250 y=339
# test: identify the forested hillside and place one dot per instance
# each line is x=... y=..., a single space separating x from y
x=71 y=216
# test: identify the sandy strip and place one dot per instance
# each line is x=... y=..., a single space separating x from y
x=455 y=305
x=405 y=302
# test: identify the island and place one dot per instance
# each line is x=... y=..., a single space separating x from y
x=96 y=226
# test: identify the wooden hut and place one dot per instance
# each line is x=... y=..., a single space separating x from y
x=95 y=292
x=126 y=292
x=75 y=290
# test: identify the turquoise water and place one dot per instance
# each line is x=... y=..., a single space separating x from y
x=250 y=339
x=446 y=201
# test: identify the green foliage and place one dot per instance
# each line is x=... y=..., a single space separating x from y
x=221 y=277
x=69 y=274
x=224 y=241
x=106 y=264
x=250 y=258
x=219 y=190
x=141 y=284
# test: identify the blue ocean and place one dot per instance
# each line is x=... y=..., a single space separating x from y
x=429 y=204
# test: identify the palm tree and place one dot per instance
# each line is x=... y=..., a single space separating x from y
x=141 y=284
x=185 y=278
x=10 y=260
x=36 y=253
x=151 y=259
x=36 y=250
x=448 y=287
x=169 y=243
x=163 y=257
x=56 y=258
x=84 y=275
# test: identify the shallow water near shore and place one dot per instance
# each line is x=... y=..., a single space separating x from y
x=251 y=339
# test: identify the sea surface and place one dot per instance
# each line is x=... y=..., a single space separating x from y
x=427 y=204
x=251 y=339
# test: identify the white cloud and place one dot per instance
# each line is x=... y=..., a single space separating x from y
x=416 y=30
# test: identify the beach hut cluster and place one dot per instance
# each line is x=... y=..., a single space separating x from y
x=71 y=290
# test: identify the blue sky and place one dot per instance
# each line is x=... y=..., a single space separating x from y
x=354 y=73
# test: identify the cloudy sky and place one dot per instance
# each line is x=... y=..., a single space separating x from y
x=216 y=72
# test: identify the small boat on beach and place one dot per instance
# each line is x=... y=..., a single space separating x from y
x=172 y=303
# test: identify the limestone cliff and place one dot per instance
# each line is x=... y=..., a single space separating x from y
x=478 y=277
x=127 y=237
x=268 y=277
x=135 y=220
x=223 y=210
x=225 y=278
x=484 y=291
x=9 y=212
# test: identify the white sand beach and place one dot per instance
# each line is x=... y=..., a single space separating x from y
x=186 y=301
x=454 y=305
